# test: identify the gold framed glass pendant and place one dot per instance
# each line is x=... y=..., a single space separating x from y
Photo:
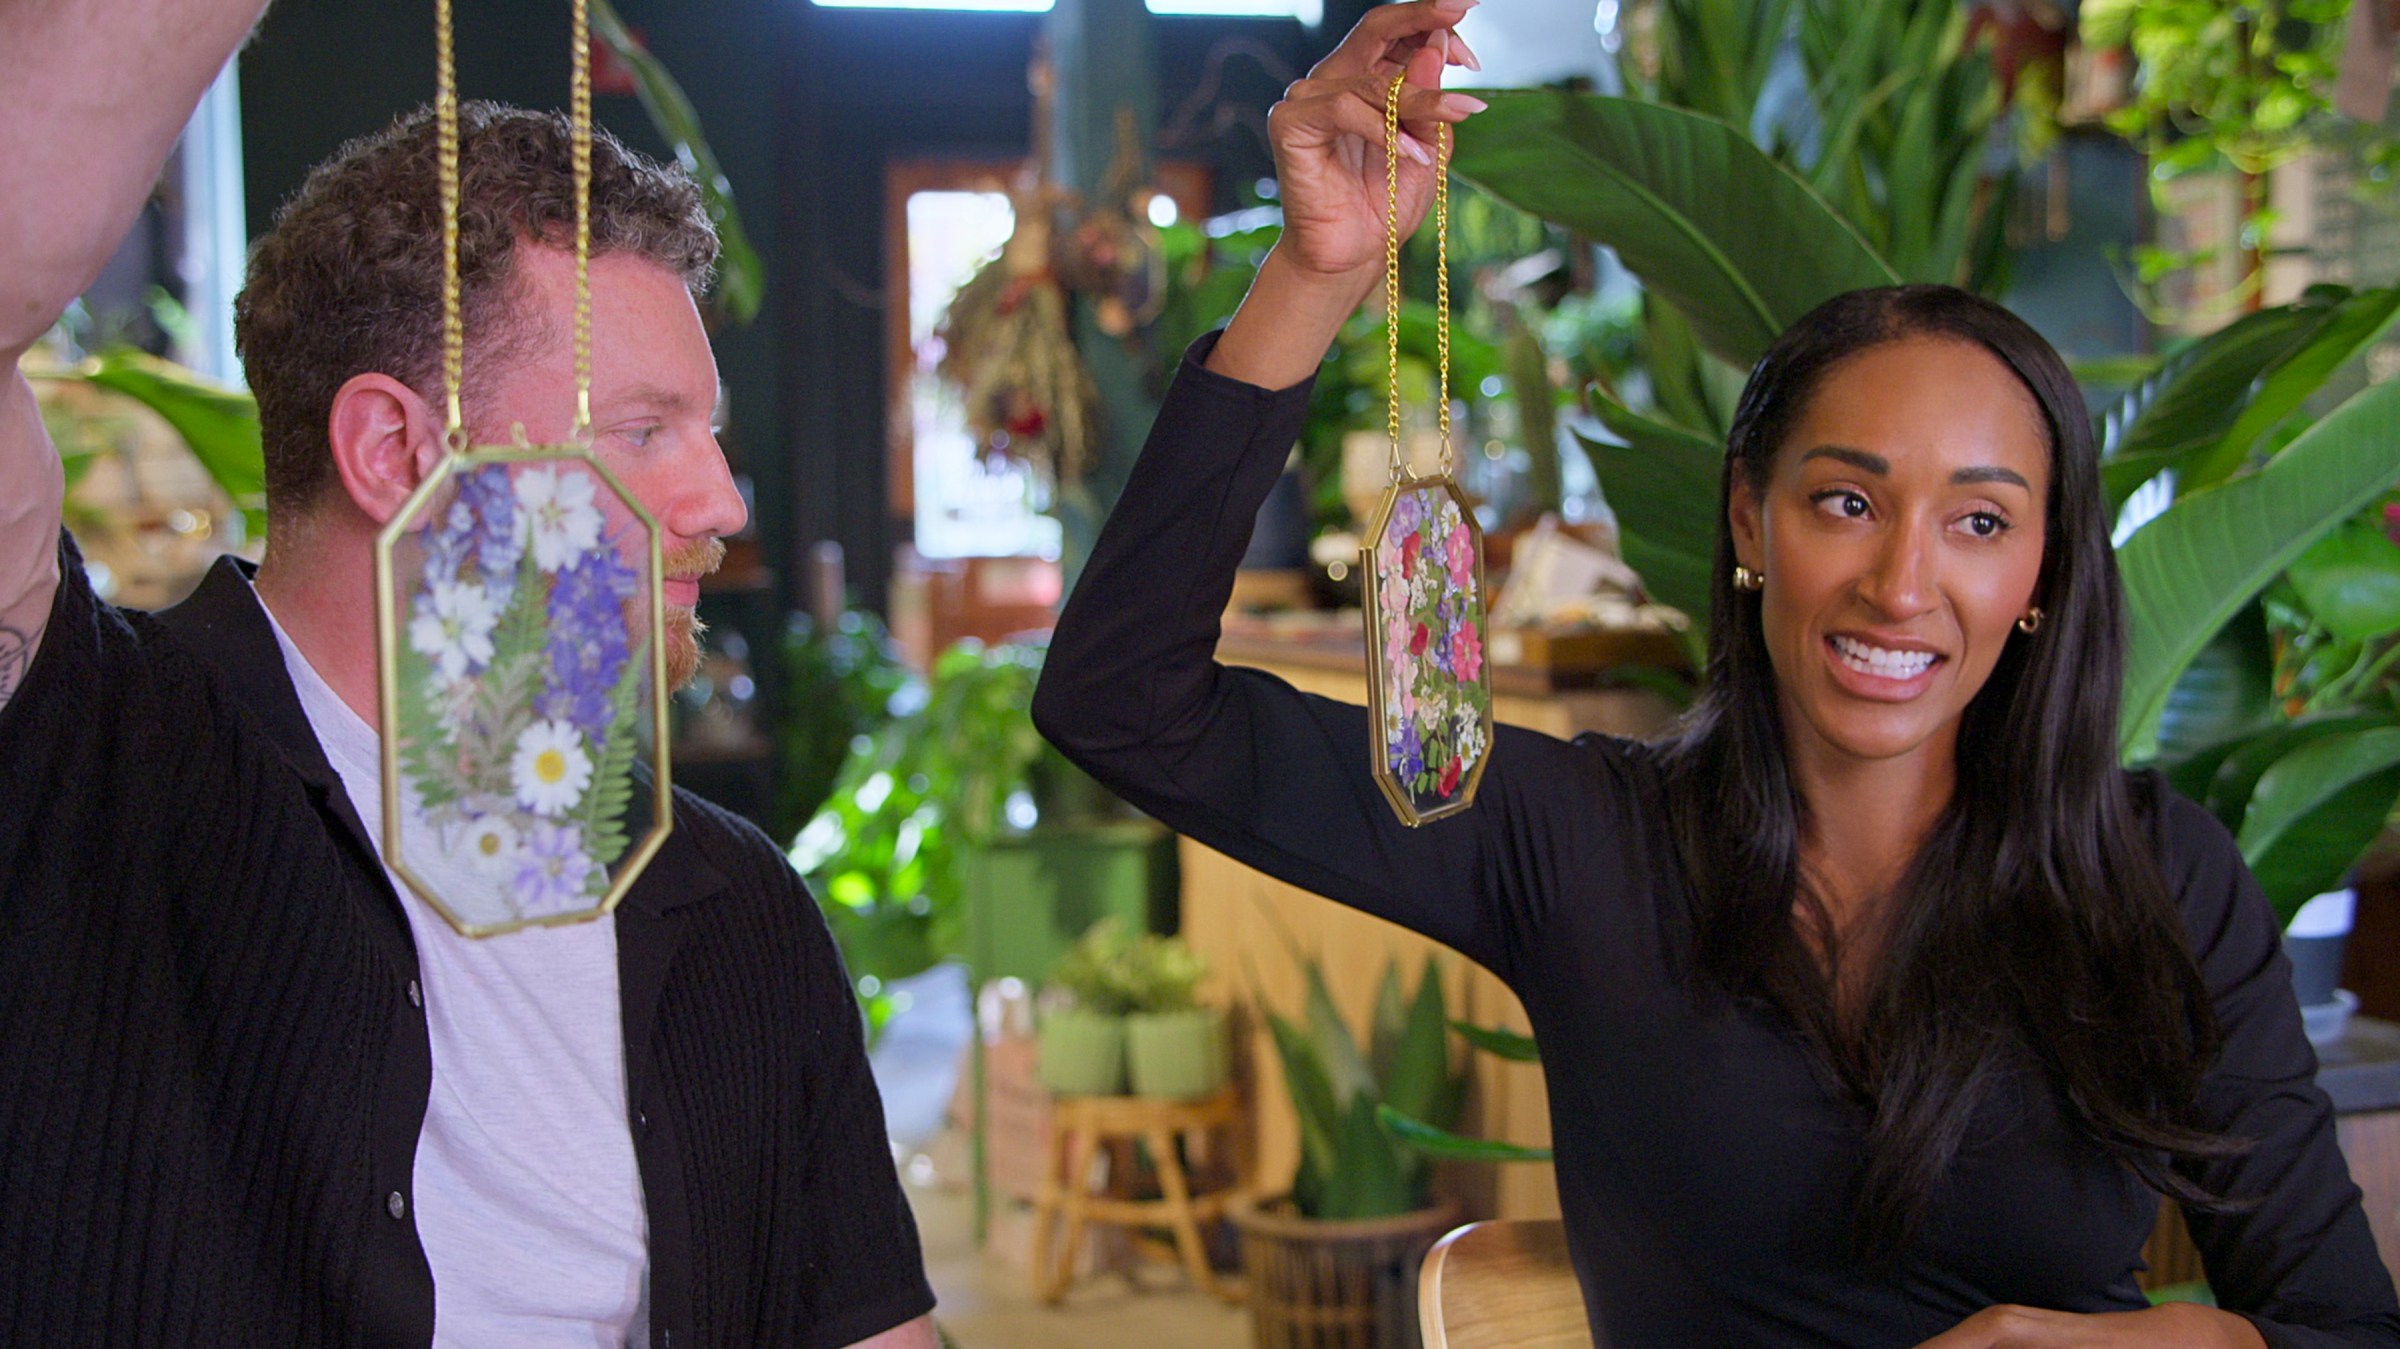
x=520 y=630
x=517 y=599
x=1429 y=681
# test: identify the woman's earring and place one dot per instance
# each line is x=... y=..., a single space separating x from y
x=2031 y=622
x=1746 y=579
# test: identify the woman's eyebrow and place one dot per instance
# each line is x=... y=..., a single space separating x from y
x=1882 y=467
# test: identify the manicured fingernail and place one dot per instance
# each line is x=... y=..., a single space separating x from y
x=1463 y=103
x=1415 y=149
x=1465 y=54
x=1455 y=6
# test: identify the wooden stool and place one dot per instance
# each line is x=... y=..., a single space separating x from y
x=1079 y=1126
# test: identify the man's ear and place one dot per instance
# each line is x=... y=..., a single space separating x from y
x=385 y=441
x=1742 y=511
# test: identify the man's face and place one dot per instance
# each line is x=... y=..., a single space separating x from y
x=654 y=395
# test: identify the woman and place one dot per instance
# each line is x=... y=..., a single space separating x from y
x=1879 y=1005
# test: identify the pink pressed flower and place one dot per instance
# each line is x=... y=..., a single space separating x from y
x=1462 y=559
x=1417 y=640
x=1450 y=775
x=1466 y=653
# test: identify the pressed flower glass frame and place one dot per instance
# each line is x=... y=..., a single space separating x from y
x=1429 y=681
x=520 y=629
x=518 y=607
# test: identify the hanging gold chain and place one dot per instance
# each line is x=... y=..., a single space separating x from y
x=580 y=115
x=1391 y=278
x=445 y=115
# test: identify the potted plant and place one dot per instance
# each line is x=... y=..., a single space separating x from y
x=1174 y=1047
x=1080 y=1049
x=1335 y=1261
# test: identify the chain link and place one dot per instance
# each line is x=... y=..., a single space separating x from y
x=580 y=112
x=1400 y=459
x=445 y=115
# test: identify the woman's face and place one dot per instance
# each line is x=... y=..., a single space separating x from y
x=1901 y=532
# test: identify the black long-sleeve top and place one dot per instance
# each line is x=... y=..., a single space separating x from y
x=1704 y=1164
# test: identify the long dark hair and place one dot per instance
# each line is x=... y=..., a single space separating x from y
x=2033 y=927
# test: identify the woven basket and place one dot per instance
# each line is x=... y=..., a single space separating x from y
x=1335 y=1285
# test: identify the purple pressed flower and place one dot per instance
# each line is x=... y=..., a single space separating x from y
x=486 y=495
x=587 y=649
x=1410 y=752
x=552 y=871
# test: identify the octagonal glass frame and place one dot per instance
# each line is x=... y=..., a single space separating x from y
x=543 y=832
x=1427 y=658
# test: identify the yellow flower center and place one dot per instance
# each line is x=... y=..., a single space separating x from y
x=489 y=844
x=550 y=765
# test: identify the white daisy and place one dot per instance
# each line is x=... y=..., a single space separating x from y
x=453 y=627
x=555 y=516
x=490 y=847
x=550 y=768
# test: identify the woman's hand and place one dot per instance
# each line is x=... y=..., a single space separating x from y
x=1330 y=167
x=2173 y=1325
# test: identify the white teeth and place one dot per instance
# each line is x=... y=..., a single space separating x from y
x=1874 y=660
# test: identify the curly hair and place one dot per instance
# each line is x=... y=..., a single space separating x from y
x=349 y=280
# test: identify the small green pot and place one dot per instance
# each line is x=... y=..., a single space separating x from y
x=1176 y=1054
x=1082 y=1053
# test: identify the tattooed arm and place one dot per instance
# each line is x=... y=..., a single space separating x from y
x=93 y=94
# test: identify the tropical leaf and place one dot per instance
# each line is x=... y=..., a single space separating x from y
x=2198 y=396
x=1655 y=184
x=741 y=276
x=219 y=424
x=2316 y=809
x=2351 y=324
x=2193 y=567
x=1506 y=1044
x=1445 y=1146
x=1421 y=1059
x=2350 y=581
x=2225 y=694
x=1662 y=484
x=1375 y=1179
x=1313 y=1101
x=1337 y=1050
x=2228 y=791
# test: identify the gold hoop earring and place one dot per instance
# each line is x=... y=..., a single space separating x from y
x=2031 y=622
x=1746 y=579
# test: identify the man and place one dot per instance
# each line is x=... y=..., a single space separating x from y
x=252 y=1091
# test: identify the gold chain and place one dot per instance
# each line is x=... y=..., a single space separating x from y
x=1391 y=278
x=445 y=114
x=580 y=114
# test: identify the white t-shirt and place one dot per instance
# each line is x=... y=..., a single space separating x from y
x=529 y=1201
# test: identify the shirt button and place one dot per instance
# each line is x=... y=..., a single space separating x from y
x=395 y=1205
x=416 y=995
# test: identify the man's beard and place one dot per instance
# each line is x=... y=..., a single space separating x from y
x=684 y=628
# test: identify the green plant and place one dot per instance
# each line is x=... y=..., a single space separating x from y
x=1443 y=1145
x=218 y=424
x=1113 y=971
x=2243 y=87
x=841 y=681
x=2218 y=431
x=1351 y=1166
x=884 y=852
x=741 y=276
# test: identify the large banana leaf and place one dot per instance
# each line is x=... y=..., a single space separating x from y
x=1662 y=484
x=2316 y=809
x=2208 y=405
x=2190 y=569
x=741 y=277
x=1706 y=219
x=2352 y=324
x=219 y=424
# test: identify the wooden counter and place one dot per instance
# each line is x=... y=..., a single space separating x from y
x=1229 y=912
